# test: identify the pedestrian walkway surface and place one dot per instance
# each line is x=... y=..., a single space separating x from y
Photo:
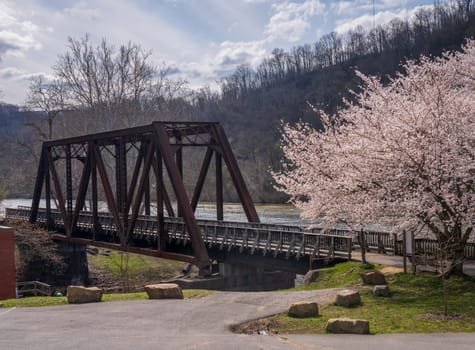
x=397 y=261
x=190 y=324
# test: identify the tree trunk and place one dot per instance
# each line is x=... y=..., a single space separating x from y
x=456 y=269
x=451 y=254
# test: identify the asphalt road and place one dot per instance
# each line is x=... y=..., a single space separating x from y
x=189 y=324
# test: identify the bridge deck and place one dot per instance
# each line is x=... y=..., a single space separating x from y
x=279 y=242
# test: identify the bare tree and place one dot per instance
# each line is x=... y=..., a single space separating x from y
x=48 y=98
x=115 y=87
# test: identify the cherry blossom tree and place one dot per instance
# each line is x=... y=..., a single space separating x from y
x=402 y=153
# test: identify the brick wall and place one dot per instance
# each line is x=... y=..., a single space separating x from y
x=7 y=263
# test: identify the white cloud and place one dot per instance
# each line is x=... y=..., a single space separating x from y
x=382 y=17
x=11 y=73
x=16 y=74
x=82 y=9
x=16 y=34
x=256 y=1
x=235 y=53
x=342 y=7
x=292 y=20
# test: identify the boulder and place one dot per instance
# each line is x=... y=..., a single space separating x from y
x=303 y=309
x=80 y=294
x=164 y=291
x=373 y=277
x=347 y=325
x=310 y=276
x=381 y=291
x=348 y=298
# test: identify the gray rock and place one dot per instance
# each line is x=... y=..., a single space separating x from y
x=164 y=291
x=348 y=298
x=310 y=276
x=381 y=291
x=373 y=277
x=303 y=309
x=347 y=325
x=80 y=294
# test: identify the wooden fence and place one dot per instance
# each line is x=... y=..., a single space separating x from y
x=384 y=242
x=33 y=288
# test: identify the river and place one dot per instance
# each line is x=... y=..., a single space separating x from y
x=284 y=214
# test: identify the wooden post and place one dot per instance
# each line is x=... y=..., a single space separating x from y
x=404 y=255
x=395 y=243
x=363 y=246
x=380 y=243
x=413 y=252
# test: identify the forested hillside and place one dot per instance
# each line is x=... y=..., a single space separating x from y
x=252 y=102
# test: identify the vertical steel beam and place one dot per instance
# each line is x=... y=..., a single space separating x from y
x=159 y=173
x=147 y=195
x=69 y=184
x=197 y=243
x=121 y=180
x=201 y=178
x=158 y=167
x=95 y=209
x=109 y=195
x=179 y=164
x=82 y=191
x=140 y=189
x=135 y=176
x=48 y=198
x=40 y=176
x=59 y=193
x=235 y=173
x=219 y=188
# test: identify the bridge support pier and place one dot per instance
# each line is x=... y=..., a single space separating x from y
x=254 y=278
x=78 y=271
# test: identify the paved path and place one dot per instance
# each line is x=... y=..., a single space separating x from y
x=397 y=261
x=189 y=324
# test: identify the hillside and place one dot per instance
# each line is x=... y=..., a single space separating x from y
x=253 y=101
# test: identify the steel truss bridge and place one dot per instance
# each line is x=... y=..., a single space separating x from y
x=279 y=247
x=129 y=168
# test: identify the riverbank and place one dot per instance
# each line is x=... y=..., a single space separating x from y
x=416 y=304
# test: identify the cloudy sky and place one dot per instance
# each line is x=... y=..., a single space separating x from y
x=202 y=39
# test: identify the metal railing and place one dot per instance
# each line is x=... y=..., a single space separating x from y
x=292 y=240
x=254 y=238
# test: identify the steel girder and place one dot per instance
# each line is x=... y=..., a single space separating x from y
x=155 y=148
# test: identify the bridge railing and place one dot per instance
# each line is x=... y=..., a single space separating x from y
x=279 y=240
x=291 y=240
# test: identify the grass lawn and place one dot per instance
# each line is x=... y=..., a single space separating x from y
x=416 y=304
x=51 y=301
x=341 y=275
x=135 y=266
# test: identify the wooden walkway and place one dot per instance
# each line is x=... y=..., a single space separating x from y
x=270 y=241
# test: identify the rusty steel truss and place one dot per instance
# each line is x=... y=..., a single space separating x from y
x=148 y=151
